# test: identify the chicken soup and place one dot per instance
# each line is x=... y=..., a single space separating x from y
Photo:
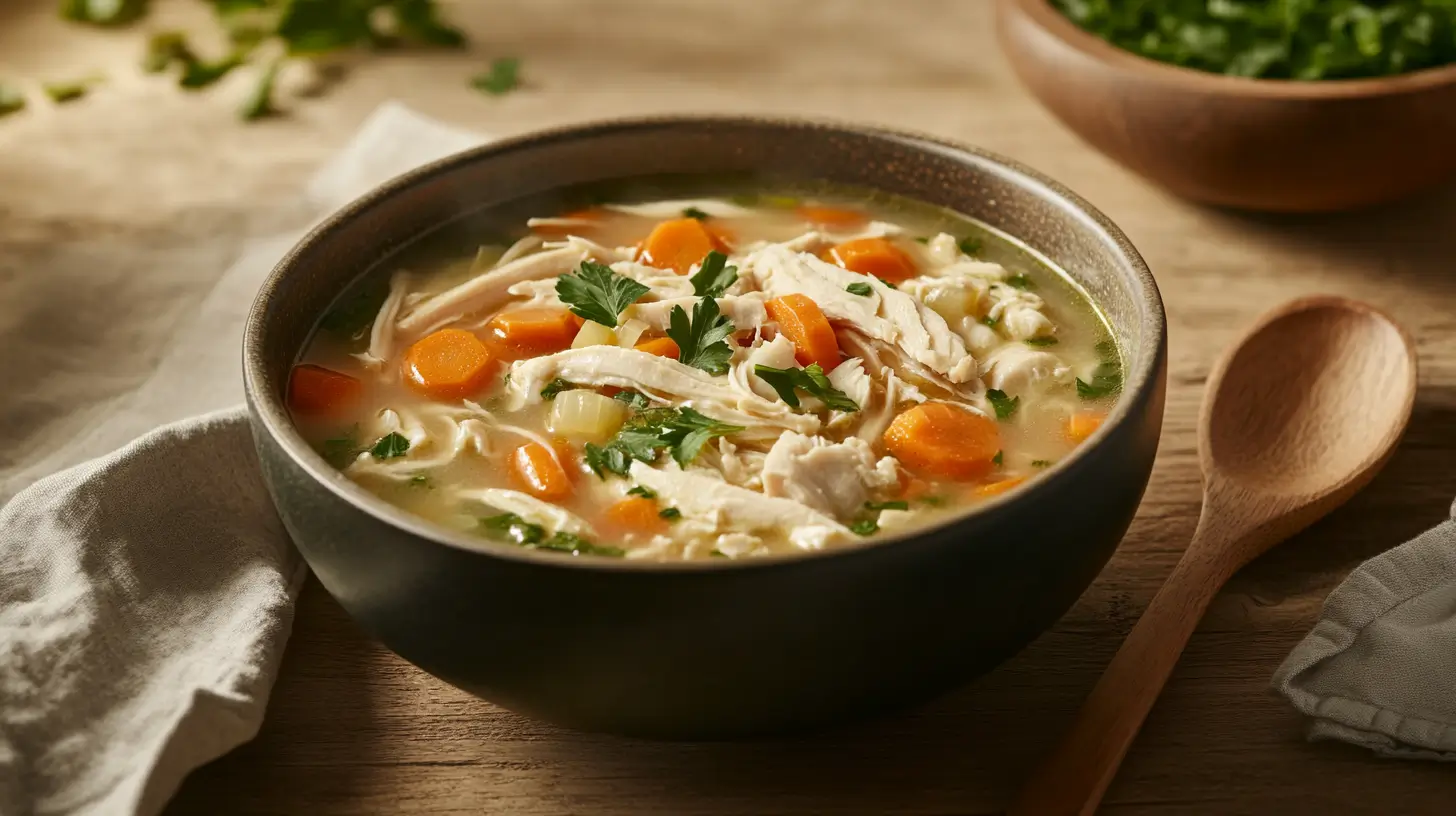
x=709 y=378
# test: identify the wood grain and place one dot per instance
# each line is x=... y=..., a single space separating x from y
x=352 y=729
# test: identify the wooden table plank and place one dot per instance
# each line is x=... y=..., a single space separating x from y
x=352 y=729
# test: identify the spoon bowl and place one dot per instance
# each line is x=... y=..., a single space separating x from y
x=1300 y=415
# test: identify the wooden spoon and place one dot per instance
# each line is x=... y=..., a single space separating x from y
x=1298 y=416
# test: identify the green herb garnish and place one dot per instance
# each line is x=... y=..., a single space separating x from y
x=702 y=342
x=861 y=289
x=887 y=505
x=714 y=276
x=390 y=446
x=644 y=492
x=812 y=380
x=636 y=399
x=681 y=432
x=695 y=214
x=1041 y=341
x=595 y=292
x=501 y=78
x=1278 y=39
x=555 y=387
x=969 y=245
x=670 y=513
x=1005 y=406
x=865 y=527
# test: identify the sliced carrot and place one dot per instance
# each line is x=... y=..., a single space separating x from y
x=832 y=216
x=1082 y=425
x=592 y=214
x=678 y=244
x=537 y=472
x=534 y=332
x=936 y=440
x=661 y=346
x=801 y=320
x=997 y=488
x=637 y=514
x=450 y=364
x=317 y=390
x=873 y=256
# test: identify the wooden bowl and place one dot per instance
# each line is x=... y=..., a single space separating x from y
x=1274 y=145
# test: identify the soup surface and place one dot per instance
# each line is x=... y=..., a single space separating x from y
x=709 y=377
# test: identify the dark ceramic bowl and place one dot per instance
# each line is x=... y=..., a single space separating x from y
x=713 y=648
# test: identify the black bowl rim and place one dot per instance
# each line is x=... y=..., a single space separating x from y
x=1053 y=22
x=275 y=420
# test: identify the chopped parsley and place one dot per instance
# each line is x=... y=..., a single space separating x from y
x=390 y=446
x=887 y=505
x=503 y=76
x=644 y=492
x=714 y=276
x=861 y=289
x=785 y=381
x=1020 y=282
x=681 y=432
x=1040 y=341
x=969 y=246
x=702 y=342
x=695 y=214
x=670 y=513
x=1005 y=406
x=595 y=292
x=513 y=529
x=555 y=387
x=636 y=399
x=1107 y=378
x=865 y=527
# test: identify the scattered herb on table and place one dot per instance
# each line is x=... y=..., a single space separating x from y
x=702 y=342
x=1004 y=405
x=501 y=78
x=812 y=380
x=714 y=276
x=594 y=292
x=1278 y=39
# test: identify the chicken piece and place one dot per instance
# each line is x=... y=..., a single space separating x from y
x=1019 y=369
x=657 y=376
x=834 y=478
x=725 y=508
x=485 y=292
x=550 y=517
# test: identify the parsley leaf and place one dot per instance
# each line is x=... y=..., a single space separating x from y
x=714 y=276
x=695 y=214
x=865 y=527
x=702 y=343
x=644 y=492
x=502 y=77
x=861 y=289
x=1040 y=341
x=969 y=245
x=595 y=292
x=555 y=387
x=785 y=381
x=390 y=446
x=1005 y=406
x=888 y=505
x=670 y=513
x=636 y=399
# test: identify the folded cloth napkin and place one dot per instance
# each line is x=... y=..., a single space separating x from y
x=146 y=595
x=1379 y=669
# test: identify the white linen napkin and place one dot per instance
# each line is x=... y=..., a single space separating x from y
x=1379 y=668
x=146 y=595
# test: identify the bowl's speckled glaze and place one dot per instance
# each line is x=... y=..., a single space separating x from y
x=716 y=648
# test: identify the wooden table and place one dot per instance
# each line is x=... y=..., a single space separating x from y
x=353 y=729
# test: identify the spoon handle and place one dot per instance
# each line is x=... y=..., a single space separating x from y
x=1074 y=778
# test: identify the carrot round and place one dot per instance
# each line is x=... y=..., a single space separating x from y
x=317 y=390
x=537 y=472
x=936 y=440
x=636 y=514
x=534 y=332
x=997 y=488
x=1082 y=425
x=661 y=346
x=831 y=216
x=450 y=364
x=678 y=244
x=801 y=320
x=873 y=256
